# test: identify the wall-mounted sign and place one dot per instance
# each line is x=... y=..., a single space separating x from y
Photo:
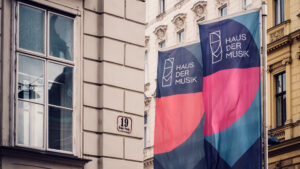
x=124 y=124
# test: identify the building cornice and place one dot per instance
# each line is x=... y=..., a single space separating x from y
x=284 y=147
x=283 y=41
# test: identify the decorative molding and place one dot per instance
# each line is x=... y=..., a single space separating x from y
x=179 y=4
x=221 y=2
x=285 y=61
x=147 y=101
x=160 y=16
x=160 y=32
x=147 y=38
x=146 y=86
x=148 y=162
x=277 y=35
x=279 y=25
x=279 y=43
x=199 y=8
x=154 y=94
x=179 y=20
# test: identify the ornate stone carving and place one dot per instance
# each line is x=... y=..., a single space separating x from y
x=147 y=38
x=147 y=101
x=286 y=61
x=221 y=2
x=179 y=4
x=279 y=134
x=179 y=20
x=160 y=32
x=199 y=8
x=277 y=34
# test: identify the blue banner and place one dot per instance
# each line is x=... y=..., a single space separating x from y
x=231 y=92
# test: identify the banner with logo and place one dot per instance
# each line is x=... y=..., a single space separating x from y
x=231 y=92
x=179 y=118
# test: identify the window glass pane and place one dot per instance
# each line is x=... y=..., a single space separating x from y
x=283 y=83
x=145 y=136
x=162 y=6
x=223 y=11
x=31 y=29
x=180 y=36
x=279 y=111
x=60 y=85
x=31 y=79
x=283 y=109
x=30 y=124
x=162 y=44
x=278 y=84
x=145 y=119
x=60 y=129
x=282 y=10
x=61 y=37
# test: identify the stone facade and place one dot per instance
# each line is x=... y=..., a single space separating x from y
x=178 y=16
x=284 y=56
x=108 y=82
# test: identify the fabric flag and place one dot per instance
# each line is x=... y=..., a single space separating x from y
x=179 y=118
x=231 y=92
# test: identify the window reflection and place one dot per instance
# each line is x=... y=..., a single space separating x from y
x=31 y=29
x=60 y=129
x=60 y=85
x=61 y=37
x=30 y=126
x=31 y=79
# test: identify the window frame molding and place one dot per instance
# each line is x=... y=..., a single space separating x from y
x=178 y=33
x=222 y=7
x=76 y=65
x=281 y=94
x=281 y=63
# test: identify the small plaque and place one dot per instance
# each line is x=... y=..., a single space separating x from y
x=124 y=124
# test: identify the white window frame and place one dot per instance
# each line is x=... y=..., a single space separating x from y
x=46 y=58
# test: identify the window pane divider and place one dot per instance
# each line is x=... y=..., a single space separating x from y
x=60 y=107
x=29 y=101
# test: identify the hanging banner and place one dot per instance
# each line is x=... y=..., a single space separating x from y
x=231 y=92
x=179 y=118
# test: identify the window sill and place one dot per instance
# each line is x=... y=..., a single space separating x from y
x=40 y=155
x=278 y=25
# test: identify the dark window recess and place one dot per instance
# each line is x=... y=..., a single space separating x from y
x=280 y=99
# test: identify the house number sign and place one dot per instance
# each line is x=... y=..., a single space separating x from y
x=124 y=124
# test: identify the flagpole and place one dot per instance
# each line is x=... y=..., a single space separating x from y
x=264 y=86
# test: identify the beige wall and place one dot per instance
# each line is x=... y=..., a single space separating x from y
x=113 y=79
x=284 y=55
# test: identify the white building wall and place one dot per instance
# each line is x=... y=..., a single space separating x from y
x=191 y=33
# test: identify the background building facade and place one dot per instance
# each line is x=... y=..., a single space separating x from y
x=284 y=82
x=170 y=23
x=72 y=84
